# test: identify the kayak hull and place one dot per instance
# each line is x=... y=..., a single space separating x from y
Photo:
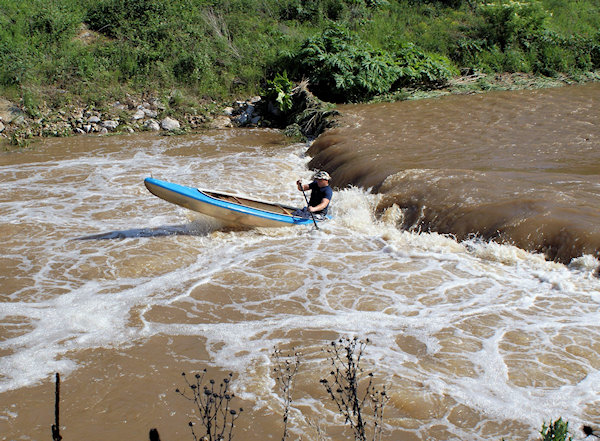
x=230 y=210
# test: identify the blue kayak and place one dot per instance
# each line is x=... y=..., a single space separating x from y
x=230 y=209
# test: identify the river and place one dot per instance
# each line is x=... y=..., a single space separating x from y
x=463 y=245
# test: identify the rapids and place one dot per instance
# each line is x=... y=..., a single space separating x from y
x=120 y=291
x=516 y=167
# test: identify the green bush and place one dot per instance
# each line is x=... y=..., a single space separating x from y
x=418 y=68
x=555 y=54
x=511 y=23
x=512 y=36
x=515 y=60
x=341 y=67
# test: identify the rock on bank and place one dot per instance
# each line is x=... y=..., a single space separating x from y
x=19 y=124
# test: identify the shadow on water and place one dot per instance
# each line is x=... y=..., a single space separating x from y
x=191 y=229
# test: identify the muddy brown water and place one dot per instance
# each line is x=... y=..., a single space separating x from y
x=518 y=167
x=121 y=292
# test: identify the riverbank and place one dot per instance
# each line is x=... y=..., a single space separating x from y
x=165 y=116
x=175 y=115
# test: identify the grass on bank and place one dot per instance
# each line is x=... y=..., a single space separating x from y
x=53 y=53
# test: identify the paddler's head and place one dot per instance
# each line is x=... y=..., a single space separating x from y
x=322 y=178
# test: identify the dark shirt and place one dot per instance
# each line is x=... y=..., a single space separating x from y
x=317 y=195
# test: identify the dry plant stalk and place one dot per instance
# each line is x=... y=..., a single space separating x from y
x=286 y=368
x=319 y=431
x=217 y=24
x=213 y=405
x=345 y=384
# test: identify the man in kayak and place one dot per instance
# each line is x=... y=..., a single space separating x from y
x=320 y=196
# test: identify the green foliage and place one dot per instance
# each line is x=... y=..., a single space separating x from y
x=14 y=64
x=512 y=36
x=341 y=67
x=420 y=68
x=303 y=116
x=509 y=23
x=135 y=19
x=146 y=44
x=449 y=3
x=21 y=138
x=556 y=431
x=595 y=51
x=280 y=91
x=52 y=23
x=318 y=11
x=556 y=54
x=573 y=18
x=349 y=50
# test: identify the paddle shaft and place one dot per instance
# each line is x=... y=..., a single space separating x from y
x=307 y=206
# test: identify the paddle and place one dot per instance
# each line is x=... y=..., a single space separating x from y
x=306 y=199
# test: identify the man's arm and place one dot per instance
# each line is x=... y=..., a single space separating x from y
x=324 y=203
